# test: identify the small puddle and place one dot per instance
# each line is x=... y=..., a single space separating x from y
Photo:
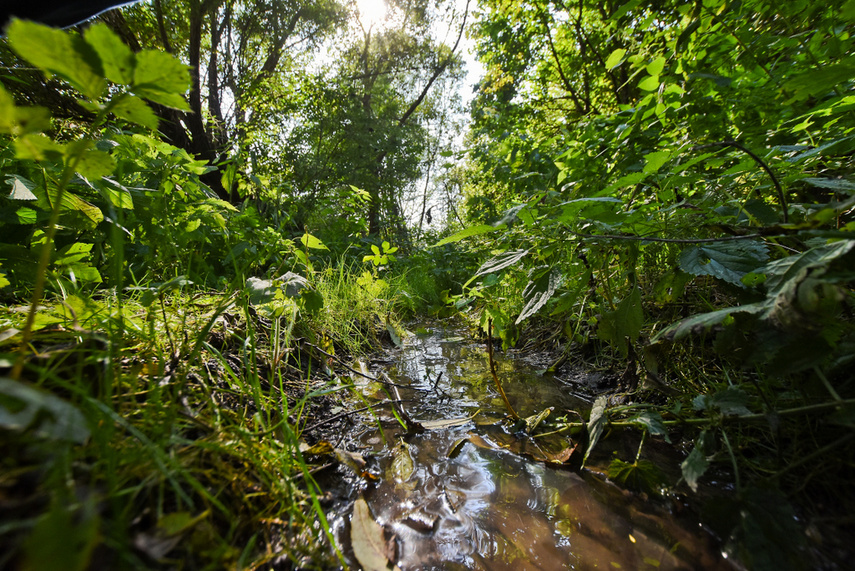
x=476 y=495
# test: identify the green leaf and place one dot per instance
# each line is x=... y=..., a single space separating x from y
x=789 y=270
x=24 y=408
x=701 y=323
x=61 y=53
x=161 y=78
x=652 y=422
x=649 y=83
x=260 y=291
x=135 y=110
x=116 y=57
x=624 y=323
x=596 y=424
x=728 y=261
x=312 y=301
x=309 y=241
x=654 y=161
x=468 y=232
x=642 y=475
x=655 y=67
x=538 y=292
x=119 y=197
x=615 y=58
x=693 y=467
x=94 y=164
x=731 y=401
x=38 y=147
x=500 y=262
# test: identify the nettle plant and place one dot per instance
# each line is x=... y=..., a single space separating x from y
x=51 y=215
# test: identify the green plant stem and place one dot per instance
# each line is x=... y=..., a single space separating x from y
x=828 y=386
x=733 y=460
x=511 y=410
x=808 y=409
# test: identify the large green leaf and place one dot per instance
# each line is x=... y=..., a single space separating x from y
x=693 y=467
x=116 y=57
x=468 y=232
x=793 y=268
x=161 y=78
x=500 y=262
x=624 y=323
x=538 y=292
x=728 y=261
x=58 y=52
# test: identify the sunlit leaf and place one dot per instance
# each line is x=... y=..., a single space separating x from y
x=615 y=58
x=116 y=57
x=137 y=111
x=58 y=52
x=313 y=243
x=642 y=475
x=160 y=77
x=22 y=188
x=367 y=540
x=500 y=262
x=469 y=232
x=538 y=292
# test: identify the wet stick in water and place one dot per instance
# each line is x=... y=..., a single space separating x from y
x=511 y=411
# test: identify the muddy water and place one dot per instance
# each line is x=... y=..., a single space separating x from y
x=478 y=494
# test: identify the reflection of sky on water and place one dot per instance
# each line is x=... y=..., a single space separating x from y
x=488 y=508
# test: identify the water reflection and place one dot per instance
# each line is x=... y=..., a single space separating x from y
x=485 y=507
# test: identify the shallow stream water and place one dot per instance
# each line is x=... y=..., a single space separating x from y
x=481 y=493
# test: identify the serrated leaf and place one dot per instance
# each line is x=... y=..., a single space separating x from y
x=94 y=164
x=136 y=111
x=161 y=78
x=538 y=292
x=312 y=301
x=58 y=52
x=366 y=537
x=500 y=262
x=467 y=233
x=642 y=475
x=293 y=283
x=596 y=424
x=22 y=188
x=652 y=422
x=702 y=322
x=116 y=57
x=693 y=467
x=654 y=161
x=830 y=183
x=730 y=401
x=728 y=261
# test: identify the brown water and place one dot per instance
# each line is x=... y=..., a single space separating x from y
x=475 y=495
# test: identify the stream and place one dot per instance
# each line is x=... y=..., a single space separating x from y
x=475 y=491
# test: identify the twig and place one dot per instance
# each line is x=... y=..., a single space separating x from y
x=385 y=380
x=349 y=412
x=760 y=162
x=513 y=413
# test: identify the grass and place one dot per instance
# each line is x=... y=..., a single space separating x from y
x=162 y=429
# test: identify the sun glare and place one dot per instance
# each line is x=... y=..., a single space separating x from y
x=372 y=12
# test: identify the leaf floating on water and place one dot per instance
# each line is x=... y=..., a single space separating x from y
x=446 y=422
x=402 y=463
x=352 y=460
x=366 y=537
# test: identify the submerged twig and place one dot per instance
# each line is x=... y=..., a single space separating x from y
x=511 y=410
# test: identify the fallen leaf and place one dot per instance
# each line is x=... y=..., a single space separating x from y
x=366 y=537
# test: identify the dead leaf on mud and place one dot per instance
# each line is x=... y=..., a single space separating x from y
x=370 y=547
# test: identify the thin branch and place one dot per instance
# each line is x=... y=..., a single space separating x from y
x=759 y=161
